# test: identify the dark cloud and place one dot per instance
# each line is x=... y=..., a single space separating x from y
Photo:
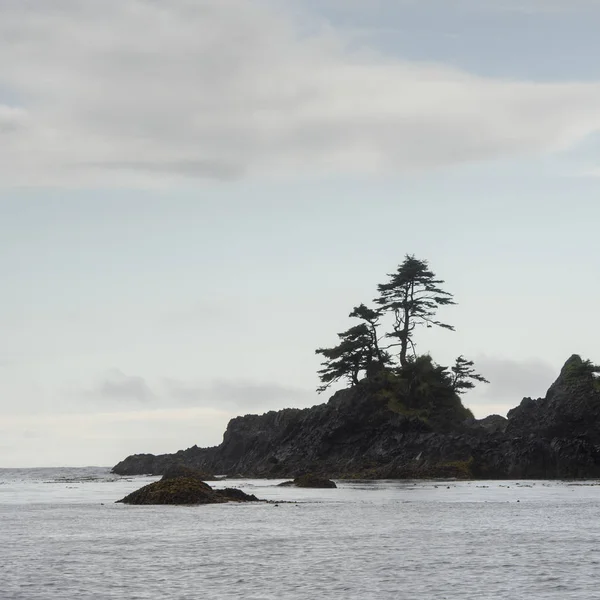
x=209 y=169
x=237 y=396
x=119 y=386
x=240 y=395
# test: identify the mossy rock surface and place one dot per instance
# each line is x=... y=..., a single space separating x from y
x=313 y=481
x=179 y=470
x=185 y=490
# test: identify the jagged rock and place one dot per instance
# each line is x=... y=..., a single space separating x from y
x=571 y=407
x=493 y=423
x=184 y=490
x=357 y=434
x=151 y=464
x=236 y=495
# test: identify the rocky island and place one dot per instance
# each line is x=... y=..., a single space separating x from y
x=361 y=433
x=402 y=414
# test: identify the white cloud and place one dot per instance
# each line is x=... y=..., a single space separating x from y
x=133 y=91
x=11 y=119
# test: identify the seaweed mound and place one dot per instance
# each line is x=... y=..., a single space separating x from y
x=310 y=481
x=185 y=490
x=179 y=470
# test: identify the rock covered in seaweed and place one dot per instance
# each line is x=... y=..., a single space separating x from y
x=179 y=470
x=310 y=481
x=185 y=490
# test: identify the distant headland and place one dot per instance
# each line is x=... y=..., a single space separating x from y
x=402 y=415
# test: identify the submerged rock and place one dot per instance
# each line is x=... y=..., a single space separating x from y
x=185 y=490
x=309 y=481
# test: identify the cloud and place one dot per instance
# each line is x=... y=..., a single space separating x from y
x=136 y=92
x=118 y=386
x=11 y=119
x=535 y=6
x=244 y=396
x=593 y=172
x=235 y=396
x=519 y=6
x=210 y=169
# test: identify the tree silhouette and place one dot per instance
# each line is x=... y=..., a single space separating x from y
x=354 y=353
x=412 y=295
x=464 y=375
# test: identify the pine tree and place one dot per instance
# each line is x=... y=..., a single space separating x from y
x=464 y=375
x=354 y=353
x=412 y=295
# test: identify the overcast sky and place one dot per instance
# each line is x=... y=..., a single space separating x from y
x=195 y=193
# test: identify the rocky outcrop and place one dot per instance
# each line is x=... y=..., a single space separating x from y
x=310 y=481
x=185 y=490
x=153 y=464
x=359 y=433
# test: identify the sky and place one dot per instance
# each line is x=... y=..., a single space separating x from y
x=195 y=194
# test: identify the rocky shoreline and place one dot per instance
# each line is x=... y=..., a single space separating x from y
x=360 y=434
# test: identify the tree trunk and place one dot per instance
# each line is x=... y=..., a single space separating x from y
x=404 y=338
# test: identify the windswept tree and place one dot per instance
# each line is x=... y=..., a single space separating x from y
x=412 y=295
x=355 y=353
x=371 y=318
x=464 y=375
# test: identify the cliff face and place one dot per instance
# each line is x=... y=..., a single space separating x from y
x=356 y=433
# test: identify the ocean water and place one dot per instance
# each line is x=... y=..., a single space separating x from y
x=63 y=537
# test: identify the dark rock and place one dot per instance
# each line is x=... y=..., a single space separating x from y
x=313 y=481
x=184 y=490
x=234 y=494
x=151 y=464
x=492 y=423
x=309 y=481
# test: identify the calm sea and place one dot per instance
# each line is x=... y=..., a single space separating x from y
x=62 y=536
